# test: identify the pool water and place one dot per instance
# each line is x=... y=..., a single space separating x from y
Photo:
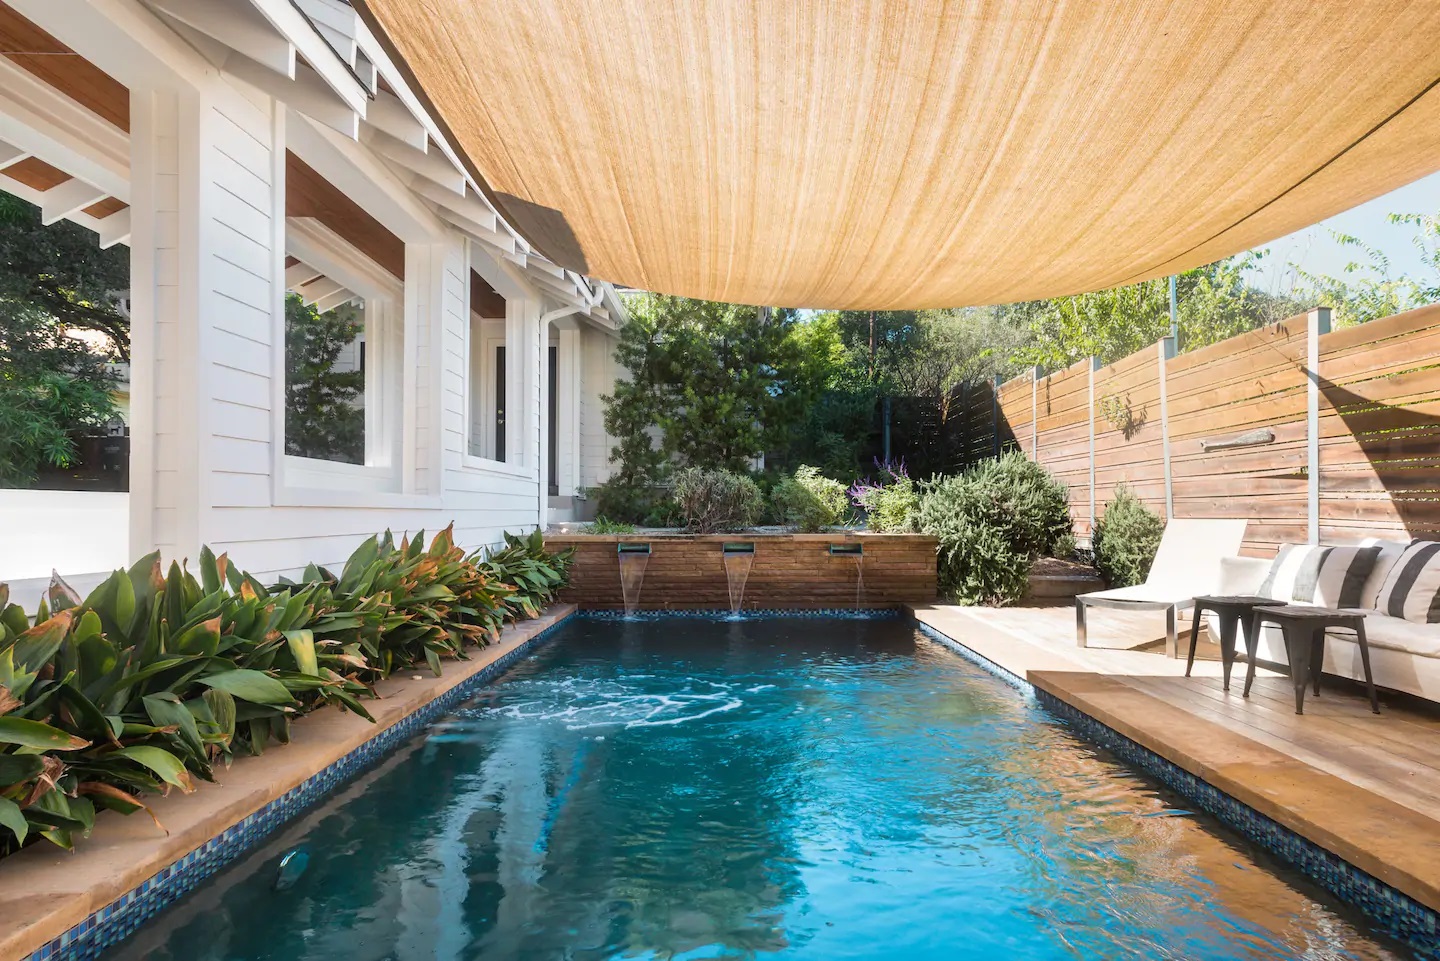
x=807 y=789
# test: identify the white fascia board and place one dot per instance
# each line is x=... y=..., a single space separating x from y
x=70 y=197
x=335 y=72
x=238 y=26
x=509 y=281
x=128 y=41
x=480 y=232
x=38 y=120
x=361 y=174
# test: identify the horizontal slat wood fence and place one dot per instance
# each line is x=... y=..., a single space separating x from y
x=1232 y=430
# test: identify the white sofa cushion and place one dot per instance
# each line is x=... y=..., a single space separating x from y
x=1390 y=552
x=1397 y=634
x=1412 y=588
x=1327 y=576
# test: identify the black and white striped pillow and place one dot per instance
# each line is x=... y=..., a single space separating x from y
x=1327 y=576
x=1412 y=590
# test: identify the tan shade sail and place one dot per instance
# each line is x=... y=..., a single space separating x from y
x=858 y=153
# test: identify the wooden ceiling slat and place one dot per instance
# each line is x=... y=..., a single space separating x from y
x=307 y=194
x=36 y=174
x=38 y=53
x=106 y=207
x=484 y=299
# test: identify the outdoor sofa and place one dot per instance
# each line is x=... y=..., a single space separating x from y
x=1404 y=650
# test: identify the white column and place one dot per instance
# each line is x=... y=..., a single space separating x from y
x=167 y=420
x=567 y=412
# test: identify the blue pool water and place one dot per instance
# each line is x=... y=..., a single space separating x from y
x=806 y=789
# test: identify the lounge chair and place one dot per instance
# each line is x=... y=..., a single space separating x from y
x=1186 y=566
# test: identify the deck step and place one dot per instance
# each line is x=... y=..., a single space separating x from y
x=1053 y=586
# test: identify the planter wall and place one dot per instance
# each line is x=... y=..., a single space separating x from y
x=788 y=570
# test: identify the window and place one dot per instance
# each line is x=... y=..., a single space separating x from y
x=343 y=365
x=489 y=380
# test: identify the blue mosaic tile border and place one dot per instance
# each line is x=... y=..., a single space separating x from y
x=974 y=657
x=758 y=614
x=1393 y=911
x=118 y=920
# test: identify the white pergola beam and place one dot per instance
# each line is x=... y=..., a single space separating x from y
x=474 y=209
x=39 y=121
x=335 y=73
x=115 y=229
x=68 y=198
x=318 y=289
x=307 y=93
x=435 y=167
x=297 y=275
x=338 y=299
x=389 y=115
x=11 y=154
x=238 y=26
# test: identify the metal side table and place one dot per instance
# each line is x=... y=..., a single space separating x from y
x=1304 y=630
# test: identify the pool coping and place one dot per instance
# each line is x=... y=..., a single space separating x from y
x=1374 y=854
x=61 y=906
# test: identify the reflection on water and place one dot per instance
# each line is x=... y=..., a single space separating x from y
x=787 y=789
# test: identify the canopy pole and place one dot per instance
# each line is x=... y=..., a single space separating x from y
x=1174 y=317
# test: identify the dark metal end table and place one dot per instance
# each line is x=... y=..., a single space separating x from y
x=1304 y=630
x=1232 y=610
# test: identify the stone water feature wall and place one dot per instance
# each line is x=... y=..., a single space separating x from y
x=688 y=572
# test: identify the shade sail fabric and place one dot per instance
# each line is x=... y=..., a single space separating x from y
x=868 y=154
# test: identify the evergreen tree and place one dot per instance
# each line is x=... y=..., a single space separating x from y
x=324 y=406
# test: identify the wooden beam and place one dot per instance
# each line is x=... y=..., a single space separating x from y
x=299 y=274
x=313 y=48
x=318 y=289
x=9 y=154
x=70 y=197
x=338 y=299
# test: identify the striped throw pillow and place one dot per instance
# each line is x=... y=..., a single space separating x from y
x=1412 y=590
x=1327 y=576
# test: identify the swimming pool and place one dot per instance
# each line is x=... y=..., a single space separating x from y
x=794 y=788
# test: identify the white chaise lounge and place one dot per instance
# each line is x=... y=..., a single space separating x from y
x=1186 y=566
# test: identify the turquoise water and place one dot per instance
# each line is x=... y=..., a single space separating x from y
x=803 y=789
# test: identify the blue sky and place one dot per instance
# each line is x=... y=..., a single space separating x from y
x=1317 y=252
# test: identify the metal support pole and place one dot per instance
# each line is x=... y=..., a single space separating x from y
x=1165 y=349
x=1318 y=326
x=1094 y=366
x=1174 y=315
x=995 y=416
x=1035 y=414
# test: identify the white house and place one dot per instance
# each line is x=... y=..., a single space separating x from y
x=244 y=149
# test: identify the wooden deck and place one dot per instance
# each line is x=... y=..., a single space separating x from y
x=1364 y=786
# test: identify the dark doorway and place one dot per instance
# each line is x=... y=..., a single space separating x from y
x=500 y=403
x=552 y=453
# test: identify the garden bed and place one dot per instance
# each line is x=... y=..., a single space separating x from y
x=843 y=569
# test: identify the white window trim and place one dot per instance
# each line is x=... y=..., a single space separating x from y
x=512 y=468
x=306 y=481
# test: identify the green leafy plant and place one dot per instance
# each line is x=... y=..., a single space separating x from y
x=808 y=500
x=991 y=522
x=1126 y=538
x=151 y=680
x=604 y=525
x=717 y=500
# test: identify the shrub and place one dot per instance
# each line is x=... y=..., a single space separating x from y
x=604 y=525
x=1126 y=538
x=716 y=500
x=629 y=502
x=151 y=680
x=991 y=522
x=891 y=503
x=808 y=500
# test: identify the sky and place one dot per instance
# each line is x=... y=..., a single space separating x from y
x=1315 y=250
